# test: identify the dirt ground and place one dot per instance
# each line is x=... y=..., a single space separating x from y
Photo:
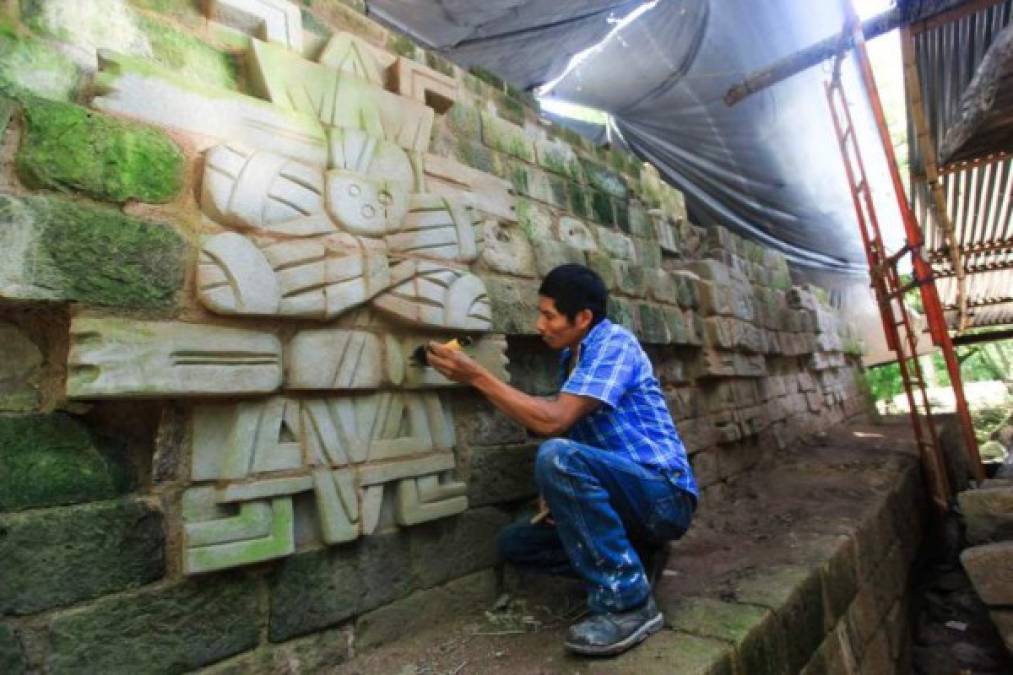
x=778 y=515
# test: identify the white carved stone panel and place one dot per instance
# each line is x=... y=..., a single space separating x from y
x=276 y=21
x=150 y=93
x=113 y=357
x=321 y=205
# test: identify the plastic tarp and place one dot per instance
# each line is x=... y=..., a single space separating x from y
x=768 y=167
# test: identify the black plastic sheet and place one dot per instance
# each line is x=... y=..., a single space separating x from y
x=768 y=167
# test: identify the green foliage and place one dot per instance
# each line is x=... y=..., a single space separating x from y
x=69 y=147
x=884 y=381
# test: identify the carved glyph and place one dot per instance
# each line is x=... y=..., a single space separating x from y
x=277 y=21
x=321 y=204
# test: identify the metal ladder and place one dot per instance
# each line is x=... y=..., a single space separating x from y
x=900 y=334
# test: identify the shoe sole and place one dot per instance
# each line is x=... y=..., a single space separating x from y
x=633 y=639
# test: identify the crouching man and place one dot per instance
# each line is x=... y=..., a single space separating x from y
x=614 y=474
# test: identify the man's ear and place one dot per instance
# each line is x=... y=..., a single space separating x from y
x=583 y=319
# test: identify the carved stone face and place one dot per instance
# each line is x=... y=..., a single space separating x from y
x=365 y=206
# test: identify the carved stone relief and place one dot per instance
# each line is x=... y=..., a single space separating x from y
x=319 y=183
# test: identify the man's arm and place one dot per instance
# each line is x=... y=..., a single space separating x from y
x=546 y=417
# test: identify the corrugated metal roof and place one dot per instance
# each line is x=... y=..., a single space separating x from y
x=979 y=193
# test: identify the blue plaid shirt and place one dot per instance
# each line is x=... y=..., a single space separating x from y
x=633 y=418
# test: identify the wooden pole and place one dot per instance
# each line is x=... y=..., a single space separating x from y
x=930 y=13
x=927 y=145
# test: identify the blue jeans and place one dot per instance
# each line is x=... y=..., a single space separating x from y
x=606 y=508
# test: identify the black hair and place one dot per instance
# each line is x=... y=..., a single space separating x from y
x=573 y=288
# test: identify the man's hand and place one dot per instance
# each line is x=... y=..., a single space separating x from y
x=453 y=364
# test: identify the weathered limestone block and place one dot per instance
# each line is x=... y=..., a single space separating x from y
x=549 y=254
x=507 y=250
x=114 y=357
x=87 y=28
x=507 y=138
x=276 y=21
x=12 y=658
x=576 y=234
x=662 y=286
x=59 y=556
x=630 y=278
x=416 y=81
x=338 y=98
x=559 y=158
x=113 y=160
x=604 y=179
x=428 y=294
x=990 y=567
x=664 y=231
x=20 y=370
x=169 y=625
x=616 y=244
x=53 y=460
x=141 y=90
x=514 y=304
x=57 y=250
x=480 y=190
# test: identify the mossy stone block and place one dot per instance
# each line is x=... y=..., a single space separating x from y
x=758 y=638
x=7 y=108
x=55 y=249
x=624 y=313
x=168 y=630
x=653 y=324
x=578 y=200
x=671 y=653
x=602 y=264
x=318 y=589
x=56 y=557
x=12 y=657
x=605 y=179
x=601 y=208
x=30 y=66
x=53 y=460
x=67 y=147
x=188 y=56
x=507 y=137
x=475 y=155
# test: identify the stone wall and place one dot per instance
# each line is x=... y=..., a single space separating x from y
x=224 y=228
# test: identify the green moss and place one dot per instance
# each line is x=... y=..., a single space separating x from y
x=189 y=56
x=50 y=460
x=578 y=200
x=622 y=213
x=29 y=66
x=519 y=178
x=487 y=76
x=601 y=208
x=464 y=121
x=7 y=107
x=510 y=109
x=12 y=658
x=92 y=254
x=475 y=155
x=558 y=187
x=184 y=10
x=399 y=44
x=69 y=147
x=439 y=64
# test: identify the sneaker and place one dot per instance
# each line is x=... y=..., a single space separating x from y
x=614 y=632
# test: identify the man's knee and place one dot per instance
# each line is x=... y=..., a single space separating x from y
x=550 y=458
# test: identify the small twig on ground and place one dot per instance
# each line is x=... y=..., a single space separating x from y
x=458 y=669
x=503 y=632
